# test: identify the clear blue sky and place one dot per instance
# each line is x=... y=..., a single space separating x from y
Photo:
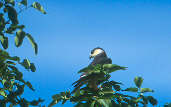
x=134 y=33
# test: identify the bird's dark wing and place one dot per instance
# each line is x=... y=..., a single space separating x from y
x=101 y=60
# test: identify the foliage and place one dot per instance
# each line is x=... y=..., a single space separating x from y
x=12 y=84
x=96 y=90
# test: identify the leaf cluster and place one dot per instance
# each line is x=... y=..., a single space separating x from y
x=97 y=90
x=12 y=84
x=9 y=22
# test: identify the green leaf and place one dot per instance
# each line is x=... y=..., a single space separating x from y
x=112 y=67
x=2 y=22
x=64 y=101
x=19 y=38
x=26 y=63
x=52 y=103
x=10 y=62
x=15 y=58
x=93 y=103
x=146 y=90
x=12 y=14
x=77 y=93
x=132 y=89
x=10 y=2
x=36 y=102
x=2 y=93
x=32 y=67
x=167 y=105
x=87 y=69
x=30 y=86
x=37 y=6
x=33 y=43
x=4 y=41
x=24 y=2
x=79 y=104
x=138 y=81
x=20 y=90
x=103 y=103
x=117 y=87
x=1 y=4
x=152 y=100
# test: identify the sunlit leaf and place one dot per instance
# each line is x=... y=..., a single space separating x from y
x=4 y=41
x=37 y=6
x=26 y=63
x=2 y=93
x=33 y=43
x=112 y=67
x=19 y=38
x=103 y=103
x=146 y=90
x=138 y=81
x=132 y=89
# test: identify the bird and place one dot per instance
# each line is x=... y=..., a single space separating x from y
x=99 y=57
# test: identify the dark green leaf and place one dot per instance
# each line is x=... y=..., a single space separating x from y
x=152 y=100
x=10 y=2
x=36 y=102
x=30 y=86
x=138 y=81
x=87 y=69
x=33 y=43
x=32 y=67
x=52 y=103
x=20 y=90
x=117 y=87
x=112 y=67
x=12 y=14
x=92 y=103
x=1 y=4
x=64 y=101
x=26 y=63
x=167 y=105
x=24 y=2
x=4 y=41
x=2 y=22
x=146 y=90
x=15 y=58
x=10 y=62
x=19 y=38
x=132 y=89
x=37 y=6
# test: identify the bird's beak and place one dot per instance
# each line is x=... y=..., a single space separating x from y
x=90 y=56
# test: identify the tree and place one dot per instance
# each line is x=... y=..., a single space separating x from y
x=106 y=93
x=12 y=83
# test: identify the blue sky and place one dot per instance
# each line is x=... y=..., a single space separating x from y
x=134 y=33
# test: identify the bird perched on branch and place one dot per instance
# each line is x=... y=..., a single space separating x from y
x=99 y=57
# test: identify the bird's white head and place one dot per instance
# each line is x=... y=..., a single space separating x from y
x=96 y=51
